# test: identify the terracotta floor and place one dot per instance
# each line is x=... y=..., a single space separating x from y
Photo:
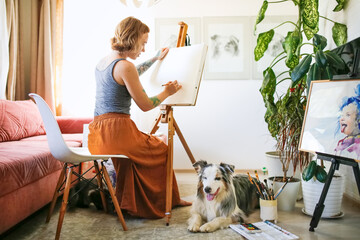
x=94 y=224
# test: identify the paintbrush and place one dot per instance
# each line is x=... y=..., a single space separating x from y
x=282 y=188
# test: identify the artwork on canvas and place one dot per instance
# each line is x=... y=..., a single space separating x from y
x=228 y=47
x=332 y=120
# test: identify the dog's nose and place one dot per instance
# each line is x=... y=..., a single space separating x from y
x=207 y=189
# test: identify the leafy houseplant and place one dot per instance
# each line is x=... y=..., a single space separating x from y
x=285 y=110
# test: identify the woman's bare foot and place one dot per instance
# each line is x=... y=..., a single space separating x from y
x=184 y=203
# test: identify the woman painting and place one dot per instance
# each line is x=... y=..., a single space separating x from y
x=141 y=179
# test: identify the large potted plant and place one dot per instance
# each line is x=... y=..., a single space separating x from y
x=285 y=110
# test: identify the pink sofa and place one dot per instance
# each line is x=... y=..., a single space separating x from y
x=28 y=171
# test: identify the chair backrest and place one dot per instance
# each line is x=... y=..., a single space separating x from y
x=57 y=145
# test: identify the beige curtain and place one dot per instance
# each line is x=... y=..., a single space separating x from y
x=15 y=80
x=4 y=50
x=45 y=17
x=42 y=76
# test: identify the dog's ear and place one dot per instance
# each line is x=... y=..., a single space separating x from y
x=228 y=168
x=199 y=165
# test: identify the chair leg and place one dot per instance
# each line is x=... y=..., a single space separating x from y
x=98 y=176
x=113 y=197
x=64 y=203
x=56 y=193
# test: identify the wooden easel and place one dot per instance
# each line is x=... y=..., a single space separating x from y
x=166 y=116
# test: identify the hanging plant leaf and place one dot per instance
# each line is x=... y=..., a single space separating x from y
x=313 y=74
x=319 y=41
x=321 y=59
x=301 y=69
x=309 y=32
x=292 y=62
x=334 y=60
x=340 y=6
x=327 y=73
x=339 y=34
x=290 y=44
x=310 y=13
x=269 y=83
x=263 y=41
x=296 y=2
x=261 y=14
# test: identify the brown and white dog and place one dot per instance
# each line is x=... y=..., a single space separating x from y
x=222 y=199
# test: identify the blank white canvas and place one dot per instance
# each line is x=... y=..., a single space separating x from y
x=184 y=64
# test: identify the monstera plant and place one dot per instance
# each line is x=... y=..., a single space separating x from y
x=285 y=109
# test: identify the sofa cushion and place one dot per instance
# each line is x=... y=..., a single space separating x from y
x=19 y=119
x=23 y=162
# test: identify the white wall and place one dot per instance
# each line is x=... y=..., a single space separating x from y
x=226 y=125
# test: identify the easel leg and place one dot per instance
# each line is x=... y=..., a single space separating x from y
x=320 y=205
x=182 y=139
x=357 y=176
x=169 y=167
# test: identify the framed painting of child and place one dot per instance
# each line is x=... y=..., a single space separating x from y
x=332 y=120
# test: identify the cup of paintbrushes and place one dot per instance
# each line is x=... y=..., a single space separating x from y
x=268 y=210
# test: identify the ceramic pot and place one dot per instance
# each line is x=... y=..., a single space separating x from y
x=287 y=198
x=312 y=190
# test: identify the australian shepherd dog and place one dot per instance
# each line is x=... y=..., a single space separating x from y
x=222 y=199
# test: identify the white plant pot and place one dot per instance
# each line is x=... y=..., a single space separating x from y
x=274 y=168
x=312 y=190
x=287 y=198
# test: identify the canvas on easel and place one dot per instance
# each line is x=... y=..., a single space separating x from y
x=331 y=129
x=184 y=64
x=332 y=119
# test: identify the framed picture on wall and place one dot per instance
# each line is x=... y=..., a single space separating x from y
x=332 y=119
x=275 y=46
x=229 y=47
x=167 y=31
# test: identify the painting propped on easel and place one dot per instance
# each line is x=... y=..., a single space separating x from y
x=332 y=119
x=184 y=64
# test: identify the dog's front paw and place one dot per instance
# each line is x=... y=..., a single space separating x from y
x=194 y=228
x=208 y=227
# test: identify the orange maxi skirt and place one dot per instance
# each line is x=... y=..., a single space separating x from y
x=140 y=180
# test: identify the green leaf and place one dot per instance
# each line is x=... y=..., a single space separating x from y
x=310 y=13
x=340 y=6
x=319 y=41
x=339 y=34
x=263 y=41
x=334 y=60
x=301 y=69
x=327 y=74
x=261 y=14
x=290 y=46
x=296 y=2
x=313 y=74
x=321 y=59
x=309 y=32
x=269 y=84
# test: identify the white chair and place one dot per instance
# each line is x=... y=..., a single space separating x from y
x=72 y=157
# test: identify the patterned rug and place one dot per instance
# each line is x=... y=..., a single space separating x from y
x=90 y=223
